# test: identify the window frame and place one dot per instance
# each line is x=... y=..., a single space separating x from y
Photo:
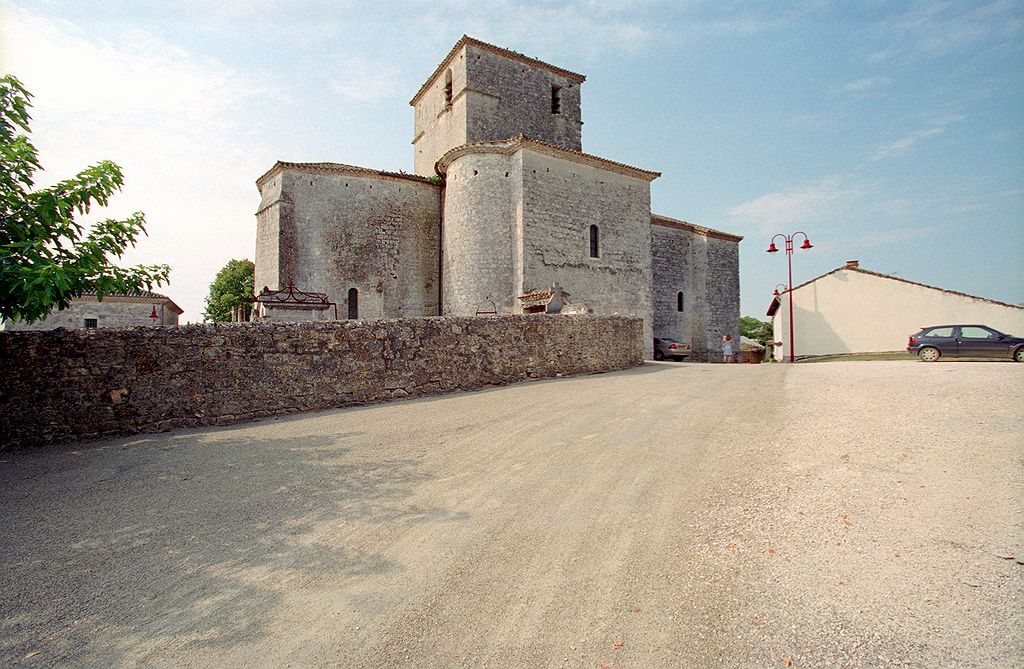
x=352 y=304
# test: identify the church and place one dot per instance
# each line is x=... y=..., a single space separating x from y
x=504 y=206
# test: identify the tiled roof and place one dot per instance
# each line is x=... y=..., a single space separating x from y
x=774 y=305
x=536 y=295
x=512 y=55
x=514 y=143
x=665 y=221
x=337 y=168
x=136 y=297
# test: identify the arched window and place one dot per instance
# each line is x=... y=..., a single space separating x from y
x=448 y=88
x=353 y=304
x=556 y=99
x=679 y=301
x=595 y=247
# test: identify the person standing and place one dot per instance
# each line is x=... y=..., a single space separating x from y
x=727 y=348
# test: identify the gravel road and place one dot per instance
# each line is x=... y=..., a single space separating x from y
x=842 y=514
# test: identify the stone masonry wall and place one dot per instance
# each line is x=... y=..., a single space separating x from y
x=63 y=385
x=672 y=273
x=723 y=291
x=706 y=269
x=561 y=199
x=493 y=98
x=438 y=126
x=509 y=98
x=479 y=235
x=337 y=230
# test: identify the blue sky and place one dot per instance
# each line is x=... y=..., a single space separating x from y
x=891 y=132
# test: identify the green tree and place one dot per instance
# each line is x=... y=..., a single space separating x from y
x=46 y=257
x=755 y=329
x=232 y=288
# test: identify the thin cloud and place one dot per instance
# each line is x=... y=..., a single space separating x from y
x=938 y=28
x=866 y=83
x=905 y=144
x=797 y=206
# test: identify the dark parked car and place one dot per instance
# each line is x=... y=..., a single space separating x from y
x=964 y=341
x=666 y=347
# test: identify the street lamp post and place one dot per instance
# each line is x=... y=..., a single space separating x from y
x=789 y=260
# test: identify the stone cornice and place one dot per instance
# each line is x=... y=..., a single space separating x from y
x=510 y=146
x=279 y=200
x=337 y=168
x=667 y=222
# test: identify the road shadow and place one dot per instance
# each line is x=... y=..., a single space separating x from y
x=113 y=551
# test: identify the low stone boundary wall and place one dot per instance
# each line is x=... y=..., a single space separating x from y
x=64 y=385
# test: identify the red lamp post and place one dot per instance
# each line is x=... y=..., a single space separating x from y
x=789 y=260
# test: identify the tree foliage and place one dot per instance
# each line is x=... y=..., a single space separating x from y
x=755 y=329
x=232 y=288
x=46 y=257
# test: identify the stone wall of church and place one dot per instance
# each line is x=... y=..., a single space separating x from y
x=479 y=234
x=493 y=98
x=275 y=236
x=509 y=98
x=723 y=292
x=561 y=199
x=63 y=385
x=705 y=269
x=333 y=231
x=672 y=273
x=437 y=126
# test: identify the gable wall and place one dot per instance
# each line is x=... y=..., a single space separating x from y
x=377 y=234
x=706 y=270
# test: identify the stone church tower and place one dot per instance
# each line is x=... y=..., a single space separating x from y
x=519 y=207
x=480 y=93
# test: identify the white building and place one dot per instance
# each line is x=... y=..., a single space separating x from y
x=853 y=310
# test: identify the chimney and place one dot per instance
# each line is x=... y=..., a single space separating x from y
x=852 y=264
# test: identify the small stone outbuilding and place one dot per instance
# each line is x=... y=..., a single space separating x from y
x=114 y=311
x=504 y=202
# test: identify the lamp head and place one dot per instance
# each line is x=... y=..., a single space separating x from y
x=806 y=244
x=772 y=249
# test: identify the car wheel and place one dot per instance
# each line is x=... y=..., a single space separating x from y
x=1018 y=355
x=658 y=355
x=929 y=354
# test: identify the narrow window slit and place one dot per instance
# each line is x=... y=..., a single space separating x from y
x=353 y=304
